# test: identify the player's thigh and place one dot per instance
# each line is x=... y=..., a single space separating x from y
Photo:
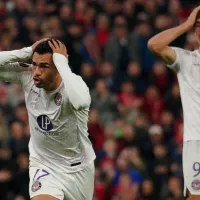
x=191 y=167
x=44 y=197
x=43 y=182
x=80 y=185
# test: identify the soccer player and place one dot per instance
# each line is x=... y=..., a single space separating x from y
x=187 y=66
x=57 y=101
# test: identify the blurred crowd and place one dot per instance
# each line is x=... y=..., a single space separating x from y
x=135 y=121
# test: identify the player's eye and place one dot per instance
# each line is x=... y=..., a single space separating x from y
x=33 y=63
x=43 y=66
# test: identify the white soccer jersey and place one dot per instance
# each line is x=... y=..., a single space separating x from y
x=187 y=66
x=58 y=119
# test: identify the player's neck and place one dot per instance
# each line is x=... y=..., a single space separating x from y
x=54 y=84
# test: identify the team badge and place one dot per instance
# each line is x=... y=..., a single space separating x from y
x=36 y=186
x=196 y=184
x=58 y=99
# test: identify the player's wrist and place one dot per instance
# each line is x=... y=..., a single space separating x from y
x=30 y=49
x=59 y=53
x=187 y=25
x=26 y=52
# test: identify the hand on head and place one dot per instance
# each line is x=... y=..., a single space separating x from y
x=38 y=42
x=58 y=47
x=190 y=22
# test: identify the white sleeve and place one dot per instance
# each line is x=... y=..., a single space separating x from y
x=21 y=55
x=76 y=88
x=12 y=71
x=177 y=63
x=15 y=73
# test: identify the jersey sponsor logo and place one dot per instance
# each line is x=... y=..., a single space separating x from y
x=58 y=99
x=36 y=186
x=44 y=123
x=47 y=133
x=196 y=184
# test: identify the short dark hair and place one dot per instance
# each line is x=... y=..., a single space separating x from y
x=44 y=47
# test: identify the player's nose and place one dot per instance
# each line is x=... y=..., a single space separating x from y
x=36 y=71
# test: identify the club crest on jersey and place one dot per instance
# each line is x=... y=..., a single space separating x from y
x=36 y=186
x=58 y=99
x=44 y=123
x=196 y=184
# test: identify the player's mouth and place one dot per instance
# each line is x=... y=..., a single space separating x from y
x=36 y=80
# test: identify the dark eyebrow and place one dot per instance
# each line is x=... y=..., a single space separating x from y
x=41 y=63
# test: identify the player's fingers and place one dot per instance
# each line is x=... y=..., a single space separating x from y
x=65 y=48
x=51 y=45
x=197 y=9
x=55 y=44
x=60 y=43
x=42 y=40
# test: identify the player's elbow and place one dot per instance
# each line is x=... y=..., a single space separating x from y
x=153 y=46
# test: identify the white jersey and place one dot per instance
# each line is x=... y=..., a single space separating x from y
x=187 y=66
x=57 y=119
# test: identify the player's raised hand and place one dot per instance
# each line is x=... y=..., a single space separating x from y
x=38 y=42
x=192 y=18
x=58 y=47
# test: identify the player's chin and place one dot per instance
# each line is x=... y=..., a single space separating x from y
x=39 y=85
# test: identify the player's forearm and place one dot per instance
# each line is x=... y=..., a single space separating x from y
x=76 y=89
x=15 y=55
x=163 y=39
